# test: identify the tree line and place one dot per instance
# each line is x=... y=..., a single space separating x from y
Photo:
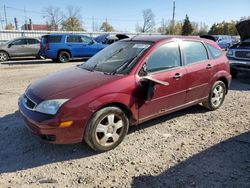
x=71 y=20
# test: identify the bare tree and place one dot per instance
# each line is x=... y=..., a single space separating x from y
x=148 y=21
x=73 y=20
x=54 y=17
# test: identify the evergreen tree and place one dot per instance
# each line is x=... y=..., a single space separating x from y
x=187 y=28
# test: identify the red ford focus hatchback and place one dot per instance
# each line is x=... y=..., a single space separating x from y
x=125 y=84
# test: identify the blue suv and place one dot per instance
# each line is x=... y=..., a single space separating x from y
x=63 y=47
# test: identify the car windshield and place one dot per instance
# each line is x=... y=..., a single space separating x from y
x=116 y=58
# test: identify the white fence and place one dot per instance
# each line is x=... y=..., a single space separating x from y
x=6 y=35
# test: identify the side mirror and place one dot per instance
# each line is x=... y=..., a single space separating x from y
x=144 y=71
x=92 y=42
x=10 y=44
x=150 y=83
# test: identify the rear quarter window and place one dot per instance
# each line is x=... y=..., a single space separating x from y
x=215 y=52
x=194 y=52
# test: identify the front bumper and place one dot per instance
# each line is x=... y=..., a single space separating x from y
x=47 y=127
x=239 y=65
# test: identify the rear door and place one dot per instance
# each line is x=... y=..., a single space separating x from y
x=79 y=45
x=33 y=47
x=199 y=69
x=164 y=64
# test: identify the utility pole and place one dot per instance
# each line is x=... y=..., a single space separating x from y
x=5 y=15
x=173 y=11
x=16 y=23
x=173 y=19
x=1 y=21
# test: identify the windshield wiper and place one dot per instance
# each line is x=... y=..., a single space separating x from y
x=86 y=68
x=125 y=65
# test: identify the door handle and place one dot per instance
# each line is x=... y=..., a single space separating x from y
x=209 y=66
x=177 y=76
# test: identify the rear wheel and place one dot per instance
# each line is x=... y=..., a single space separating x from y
x=63 y=57
x=4 y=56
x=216 y=96
x=106 y=129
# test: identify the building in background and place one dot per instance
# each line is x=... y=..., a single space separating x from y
x=36 y=27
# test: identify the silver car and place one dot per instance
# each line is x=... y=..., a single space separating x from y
x=19 y=47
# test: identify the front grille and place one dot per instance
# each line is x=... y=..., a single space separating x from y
x=49 y=137
x=29 y=103
x=242 y=54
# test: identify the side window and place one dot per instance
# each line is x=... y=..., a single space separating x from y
x=194 y=52
x=32 y=41
x=85 y=39
x=19 y=42
x=215 y=52
x=73 y=39
x=165 y=57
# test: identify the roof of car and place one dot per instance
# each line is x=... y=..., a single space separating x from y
x=157 y=38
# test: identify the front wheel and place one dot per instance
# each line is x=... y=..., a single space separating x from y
x=106 y=129
x=63 y=57
x=4 y=56
x=216 y=96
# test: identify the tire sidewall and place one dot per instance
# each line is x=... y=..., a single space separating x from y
x=90 y=131
x=63 y=53
x=7 y=56
x=211 y=94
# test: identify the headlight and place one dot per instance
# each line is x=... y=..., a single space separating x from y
x=50 y=106
x=230 y=53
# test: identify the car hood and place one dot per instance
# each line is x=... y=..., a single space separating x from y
x=243 y=29
x=67 y=84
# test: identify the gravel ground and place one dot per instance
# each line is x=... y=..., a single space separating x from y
x=189 y=148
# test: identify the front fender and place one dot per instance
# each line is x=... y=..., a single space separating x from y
x=115 y=98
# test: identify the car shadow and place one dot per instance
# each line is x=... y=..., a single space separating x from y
x=22 y=150
x=196 y=109
x=226 y=164
x=241 y=83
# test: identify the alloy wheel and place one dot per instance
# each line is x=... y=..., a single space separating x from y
x=109 y=130
x=217 y=96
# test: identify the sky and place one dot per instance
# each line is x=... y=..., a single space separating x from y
x=124 y=15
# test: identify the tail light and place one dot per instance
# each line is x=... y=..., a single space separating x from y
x=46 y=46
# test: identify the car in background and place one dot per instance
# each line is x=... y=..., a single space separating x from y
x=63 y=47
x=127 y=83
x=19 y=47
x=107 y=38
x=239 y=54
x=224 y=41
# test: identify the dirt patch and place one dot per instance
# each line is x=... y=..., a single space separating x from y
x=190 y=148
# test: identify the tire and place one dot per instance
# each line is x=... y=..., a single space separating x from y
x=216 y=96
x=63 y=57
x=4 y=56
x=106 y=129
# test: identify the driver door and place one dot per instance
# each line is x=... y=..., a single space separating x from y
x=18 y=48
x=164 y=64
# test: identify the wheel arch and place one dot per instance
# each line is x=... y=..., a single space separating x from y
x=225 y=81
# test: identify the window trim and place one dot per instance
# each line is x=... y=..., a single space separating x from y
x=210 y=53
x=165 y=70
x=66 y=39
x=197 y=62
x=26 y=43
